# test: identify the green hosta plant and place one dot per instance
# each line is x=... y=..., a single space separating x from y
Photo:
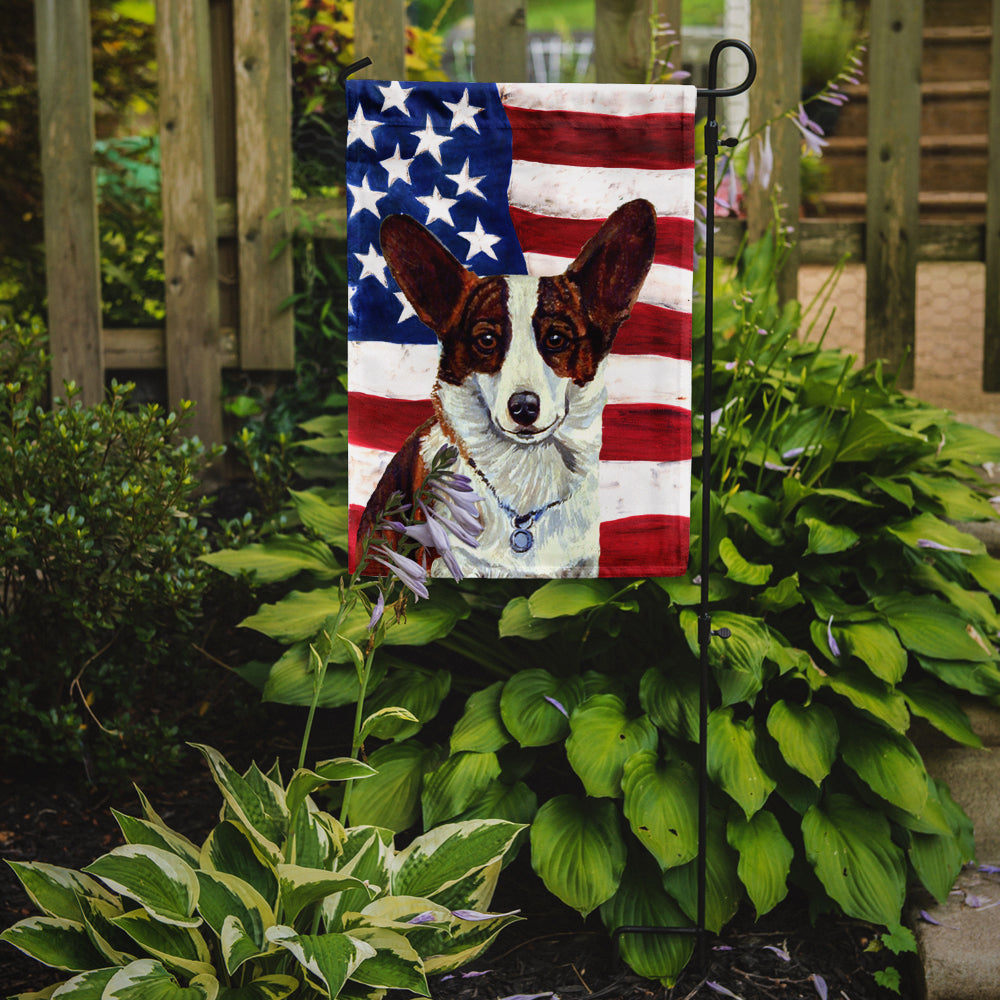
x=279 y=900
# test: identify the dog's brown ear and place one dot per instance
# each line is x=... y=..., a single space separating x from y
x=613 y=264
x=433 y=281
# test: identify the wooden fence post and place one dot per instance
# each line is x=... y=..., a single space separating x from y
x=501 y=40
x=190 y=251
x=776 y=35
x=380 y=34
x=893 y=183
x=621 y=40
x=262 y=60
x=72 y=255
x=991 y=333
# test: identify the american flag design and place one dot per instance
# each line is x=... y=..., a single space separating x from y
x=514 y=179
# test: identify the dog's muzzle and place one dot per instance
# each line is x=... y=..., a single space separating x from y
x=524 y=408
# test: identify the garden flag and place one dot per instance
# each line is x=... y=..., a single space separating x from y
x=520 y=279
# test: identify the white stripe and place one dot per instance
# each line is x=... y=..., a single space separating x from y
x=632 y=489
x=605 y=99
x=364 y=470
x=665 y=285
x=595 y=192
x=378 y=368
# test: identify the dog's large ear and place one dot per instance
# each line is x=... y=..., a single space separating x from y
x=433 y=281
x=613 y=264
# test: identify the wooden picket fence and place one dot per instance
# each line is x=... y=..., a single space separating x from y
x=226 y=160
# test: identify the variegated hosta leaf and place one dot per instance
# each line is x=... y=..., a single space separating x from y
x=224 y=897
x=86 y=986
x=475 y=891
x=54 y=941
x=441 y=857
x=481 y=727
x=732 y=760
x=329 y=959
x=274 y=987
x=468 y=939
x=158 y=880
x=304 y=782
x=141 y=831
x=456 y=784
x=535 y=706
x=315 y=838
x=177 y=947
x=230 y=849
x=256 y=801
x=238 y=945
x=578 y=851
x=367 y=853
x=661 y=799
x=417 y=690
x=56 y=891
x=642 y=902
x=147 y=979
x=765 y=858
x=850 y=847
x=807 y=736
x=116 y=946
x=300 y=887
x=602 y=737
x=395 y=964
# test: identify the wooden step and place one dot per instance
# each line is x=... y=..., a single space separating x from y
x=947 y=106
x=956 y=53
x=940 y=13
x=957 y=206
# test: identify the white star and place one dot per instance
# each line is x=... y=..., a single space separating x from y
x=365 y=197
x=463 y=113
x=438 y=207
x=360 y=128
x=408 y=310
x=480 y=241
x=373 y=264
x=467 y=184
x=397 y=168
x=395 y=97
x=430 y=141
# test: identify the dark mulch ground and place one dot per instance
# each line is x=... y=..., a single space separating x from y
x=551 y=951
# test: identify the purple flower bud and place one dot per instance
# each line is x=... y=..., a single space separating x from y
x=377 y=611
x=558 y=705
x=834 y=648
x=820 y=983
x=927 y=543
x=411 y=574
x=427 y=917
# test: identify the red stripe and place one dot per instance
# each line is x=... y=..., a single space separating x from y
x=585 y=139
x=376 y=422
x=638 y=432
x=649 y=545
x=561 y=237
x=655 y=330
x=354 y=513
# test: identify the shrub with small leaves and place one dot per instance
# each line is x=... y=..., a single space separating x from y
x=99 y=574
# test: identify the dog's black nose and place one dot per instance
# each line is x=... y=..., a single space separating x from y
x=524 y=407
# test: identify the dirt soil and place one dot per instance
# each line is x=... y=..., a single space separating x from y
x=551 y=953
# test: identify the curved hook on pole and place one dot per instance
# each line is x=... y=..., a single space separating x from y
x=352 y=68
x=712 y=90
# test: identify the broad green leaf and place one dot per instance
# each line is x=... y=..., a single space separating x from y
x=931 y=628
x=957 y=501
x=395 y=964
x=893 y=488
x=418 y=690
x=142 y=831
x=279 y=558
x=866 y=692
x=876 y=646
x=828 y=539
x=391 y=798
x=928 y=528
x=163 y=884
x=850 y=848
x=661 y=799
x=976 y=678
x=559 y=598
x=888 y=763
x=438 y=859
x=456 y=784
x=578 y=851
x=783 y=595
x=181 y=948
x=739 y=569
x=965 y=443
x=986 y=571
x=732 y=760
x=870 y=435
x=941 y=709
x=640 y=901
x=530 y=706
x=517 y=620
x=301 y=887
x=54 y=941
x=292 y=681
x=330 y=959
x=683 y=592
x=147 y=979
x=273 y=987
x=602 y=737
x=738 y=661
x=723 y=889
x=225 y=897
x=516 y=803
x=327 y=520
x=758 y=511
x=937 y=857
x=481 y=728
x=263 y=813
x=56 y=891
x=976 y=605
x=231 y=850
x=807 y=736
x=765 y=858
x=671 y=699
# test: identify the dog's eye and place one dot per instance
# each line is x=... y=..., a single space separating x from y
x=485 y=338
x=555 y=339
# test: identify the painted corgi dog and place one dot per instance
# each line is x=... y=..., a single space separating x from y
x=519 y=390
